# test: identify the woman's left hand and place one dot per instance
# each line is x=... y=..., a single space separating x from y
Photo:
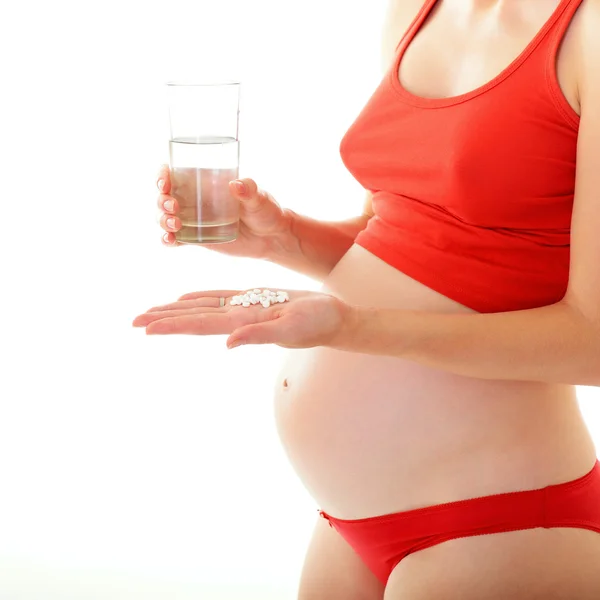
x=306 y=320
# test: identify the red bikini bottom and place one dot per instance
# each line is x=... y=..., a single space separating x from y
x=383 y=541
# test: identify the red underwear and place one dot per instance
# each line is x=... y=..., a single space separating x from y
x=383 y=541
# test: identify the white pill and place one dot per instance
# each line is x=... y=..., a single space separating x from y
x=256 y=291
x=280 y=300
x=266 y=292
x=245 y=304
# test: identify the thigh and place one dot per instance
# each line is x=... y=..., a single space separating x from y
x=333 y=571
x=534 y=564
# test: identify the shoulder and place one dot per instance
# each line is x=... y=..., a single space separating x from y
x=398 y=17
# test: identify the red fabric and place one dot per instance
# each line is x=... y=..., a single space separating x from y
x=382 y=542
x=473 y=195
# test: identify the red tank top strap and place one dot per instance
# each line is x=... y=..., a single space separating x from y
x=554 y=41
x=569 y=9
x=560 y=22
x=416 y=23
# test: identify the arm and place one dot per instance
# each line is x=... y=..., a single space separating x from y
x=559 y=343
x=553 y=344
x=314 y=247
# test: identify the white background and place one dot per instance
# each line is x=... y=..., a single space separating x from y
x=136 y=467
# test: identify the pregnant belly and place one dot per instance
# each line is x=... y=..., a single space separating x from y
x=371 y=434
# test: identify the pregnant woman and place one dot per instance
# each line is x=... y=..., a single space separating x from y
x=432 y=414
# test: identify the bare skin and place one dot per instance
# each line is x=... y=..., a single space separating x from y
x=371 y=435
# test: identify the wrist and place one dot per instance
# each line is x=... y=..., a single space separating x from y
x=356 y=323
x=378 y=331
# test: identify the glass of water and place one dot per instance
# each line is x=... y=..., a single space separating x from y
x=204 y=158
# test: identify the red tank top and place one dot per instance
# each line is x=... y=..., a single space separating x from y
x=473 y=195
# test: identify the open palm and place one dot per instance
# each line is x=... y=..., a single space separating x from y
x=307 y=320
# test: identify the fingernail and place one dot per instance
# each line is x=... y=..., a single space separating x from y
x=169 y=205
x=235 y=344
x=171 y=223
x=240 y=187
x=161 y=184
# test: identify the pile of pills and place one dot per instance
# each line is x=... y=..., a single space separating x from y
x=266 y=298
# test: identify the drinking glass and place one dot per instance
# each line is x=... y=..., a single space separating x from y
x=204 y=158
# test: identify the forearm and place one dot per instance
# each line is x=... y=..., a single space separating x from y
x=314 y=247
x=554 y=344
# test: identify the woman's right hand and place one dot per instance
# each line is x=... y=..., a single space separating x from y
x=263 y=223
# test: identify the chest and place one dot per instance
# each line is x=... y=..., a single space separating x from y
x=477 y=127
x=459 y=48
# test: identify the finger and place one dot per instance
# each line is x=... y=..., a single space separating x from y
x=185 y=304
x=150 y=317
x=164 y=175
x=248 y=192
x=204 y=320
x=170 y=222
x=210 y=294
x=193 y=324
x=168 y=239
x=269 y=332
x=167 y=204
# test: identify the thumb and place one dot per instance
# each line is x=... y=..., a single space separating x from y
x=250 y=194
x=269 y=332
